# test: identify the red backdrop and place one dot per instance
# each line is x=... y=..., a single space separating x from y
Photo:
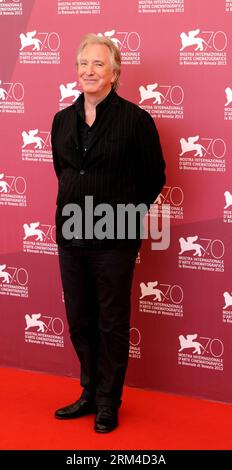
x=177 y=65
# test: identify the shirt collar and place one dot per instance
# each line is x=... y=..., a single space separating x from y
x=79 y=104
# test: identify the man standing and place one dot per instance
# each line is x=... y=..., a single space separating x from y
x=106 y=153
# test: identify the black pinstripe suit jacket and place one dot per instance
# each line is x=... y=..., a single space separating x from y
x=123 y=164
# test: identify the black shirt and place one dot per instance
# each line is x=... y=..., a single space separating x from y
x=86 y=132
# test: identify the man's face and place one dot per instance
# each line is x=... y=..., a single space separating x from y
x=95 y=70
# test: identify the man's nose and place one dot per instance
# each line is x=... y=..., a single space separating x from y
x=89 y=68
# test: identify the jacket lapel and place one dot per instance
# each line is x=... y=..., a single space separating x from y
x=74 y=128
x=75 y=154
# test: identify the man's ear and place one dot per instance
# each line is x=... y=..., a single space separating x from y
x=114 y=78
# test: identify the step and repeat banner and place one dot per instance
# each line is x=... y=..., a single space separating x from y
x=177 y=58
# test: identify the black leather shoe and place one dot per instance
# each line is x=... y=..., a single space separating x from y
x=106 y=419
x=78 y=409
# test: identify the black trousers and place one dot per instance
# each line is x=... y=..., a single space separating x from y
x=97 y=291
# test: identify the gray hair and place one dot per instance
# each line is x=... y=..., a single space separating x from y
x=115 y=56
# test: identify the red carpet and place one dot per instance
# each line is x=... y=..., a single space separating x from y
x=148 y=420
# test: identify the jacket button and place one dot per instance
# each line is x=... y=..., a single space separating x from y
x=82 y=172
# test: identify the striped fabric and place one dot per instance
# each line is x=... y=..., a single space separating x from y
x=123 y=164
